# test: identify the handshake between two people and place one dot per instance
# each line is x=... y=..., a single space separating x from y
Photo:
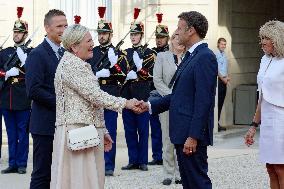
x=137 y=106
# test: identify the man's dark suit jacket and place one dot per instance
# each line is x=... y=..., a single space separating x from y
x=191 y=104
x=41 y=66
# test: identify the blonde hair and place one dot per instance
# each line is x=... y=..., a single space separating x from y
x=171 y=47
x=274 y=30
x=73 y=35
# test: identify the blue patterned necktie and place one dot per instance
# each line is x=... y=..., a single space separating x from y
x=60 y=52
x=187 y=54
x=185 y=57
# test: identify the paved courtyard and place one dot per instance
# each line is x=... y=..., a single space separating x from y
x=231 y=166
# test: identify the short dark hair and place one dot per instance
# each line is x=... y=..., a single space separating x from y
x=196 y=20
x=221 y=39
x=52 y=13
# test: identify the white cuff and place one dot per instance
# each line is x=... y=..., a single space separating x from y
x=105 y=131
x=150 y=109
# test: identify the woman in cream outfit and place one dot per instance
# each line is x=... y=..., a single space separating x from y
x=84 y=103
x=163 y=72
x=270 y=109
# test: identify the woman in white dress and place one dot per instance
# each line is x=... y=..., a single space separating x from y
x=80 y=102
x=270 y=109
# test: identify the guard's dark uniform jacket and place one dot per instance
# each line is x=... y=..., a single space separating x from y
x=140 y=88
x=16 y=111
x=118 y=72
x=160 y=49
x=13 y=95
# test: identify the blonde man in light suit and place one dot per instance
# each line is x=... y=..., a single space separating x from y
x=164 y=70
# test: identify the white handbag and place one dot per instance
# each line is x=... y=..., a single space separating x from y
x=83 y=137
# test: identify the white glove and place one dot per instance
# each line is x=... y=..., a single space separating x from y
x=137 y=61
x=103 y=73
x=112 y=57
x=22 y=56
x=12 y=72
x=131 y=75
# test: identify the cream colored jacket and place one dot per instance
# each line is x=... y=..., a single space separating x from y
x=83 y=100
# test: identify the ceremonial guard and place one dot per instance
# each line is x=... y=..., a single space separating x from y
x=15 y=104
x=138 y=85
x=162 y=39
x=162 y=36
x=110 y=66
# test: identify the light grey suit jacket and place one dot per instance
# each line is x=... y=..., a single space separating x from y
x=164 y=69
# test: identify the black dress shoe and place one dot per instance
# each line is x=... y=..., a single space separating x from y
x=130 y=166
x=22 y=170
x=178 y=182
x=143 y=167
x=109 y=173
x=167 y=181
x=220 y=128
x=156 y=162
x=9 y=170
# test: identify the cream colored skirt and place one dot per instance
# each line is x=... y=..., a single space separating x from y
x=83 y=169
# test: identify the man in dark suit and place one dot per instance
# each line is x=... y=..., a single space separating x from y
x=191 y=104
x=41 y=65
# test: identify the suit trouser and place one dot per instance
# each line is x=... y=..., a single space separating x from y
x=222 y=90
x=193 y=168
x=156 y=135
x=136 y=128
x=18 y=138
x=111 y=125
x=170 y=164
x=42 y=158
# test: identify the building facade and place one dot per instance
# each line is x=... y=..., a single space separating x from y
x=236 y=20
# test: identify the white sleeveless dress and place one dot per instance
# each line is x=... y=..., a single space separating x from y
x=270 y=80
